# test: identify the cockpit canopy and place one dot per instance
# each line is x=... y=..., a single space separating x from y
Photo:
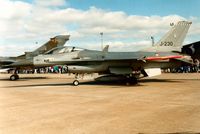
x=65 y=49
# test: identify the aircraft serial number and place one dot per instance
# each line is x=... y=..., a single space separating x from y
x=166 y=43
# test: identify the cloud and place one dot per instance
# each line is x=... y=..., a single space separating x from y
x=12 y=14
x=15 y=50
x=116 y=46
x=23 y=23
x=48 y=3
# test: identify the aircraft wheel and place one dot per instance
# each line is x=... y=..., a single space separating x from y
x=134 y=80
x=76 y=83
x=127 y=83
x=14 y=77
x=131 y=80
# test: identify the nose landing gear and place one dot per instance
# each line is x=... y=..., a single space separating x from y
x=76 y=83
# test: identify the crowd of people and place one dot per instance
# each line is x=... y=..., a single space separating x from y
x=43 y=70
x=194 y=68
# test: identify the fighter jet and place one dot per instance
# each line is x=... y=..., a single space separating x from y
x=192 y=49
x=121 y=64
x=26 y=60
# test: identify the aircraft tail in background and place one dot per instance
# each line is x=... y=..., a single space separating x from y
x=56 y=41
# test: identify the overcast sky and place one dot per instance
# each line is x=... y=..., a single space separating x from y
x=127 y=25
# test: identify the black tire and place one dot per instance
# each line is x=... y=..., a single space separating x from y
x=134 y=80
x=14 y=77
x=131 y=81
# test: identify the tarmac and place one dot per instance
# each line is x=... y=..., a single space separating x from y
x=49 y=104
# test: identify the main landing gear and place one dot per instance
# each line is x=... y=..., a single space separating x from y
x=131 y=80
x=14 y=77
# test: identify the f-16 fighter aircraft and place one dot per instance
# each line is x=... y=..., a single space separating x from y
x=192 y=49
x=26 y=60
x=118 y=64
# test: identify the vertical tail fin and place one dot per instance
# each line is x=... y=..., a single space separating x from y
x=105 y=49
x=173 y=39
x=61 y=39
